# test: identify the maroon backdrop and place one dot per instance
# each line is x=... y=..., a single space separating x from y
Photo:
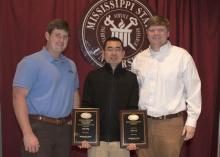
x=195 y=27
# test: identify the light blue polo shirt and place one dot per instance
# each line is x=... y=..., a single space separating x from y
x=51 y=83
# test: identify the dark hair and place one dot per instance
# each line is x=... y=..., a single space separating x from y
x=158 y=21
x=113 y=39
x=58 y=24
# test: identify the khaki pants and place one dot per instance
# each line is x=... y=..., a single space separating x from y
x=164 y=138
x=108 y=149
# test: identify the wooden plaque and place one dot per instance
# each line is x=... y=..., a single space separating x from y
x=86 y=125
x=133 y=128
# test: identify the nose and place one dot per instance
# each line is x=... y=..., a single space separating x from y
x=156 y=32
x=62 y=38
x=114 y=52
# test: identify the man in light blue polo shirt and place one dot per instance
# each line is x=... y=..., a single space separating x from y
x=45 y=90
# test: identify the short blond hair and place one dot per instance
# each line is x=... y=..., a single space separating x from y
x=158 y=21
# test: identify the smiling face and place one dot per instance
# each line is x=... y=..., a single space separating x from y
x=113 y=53
x=157 y=36
x=57 y=41
x=158 y=31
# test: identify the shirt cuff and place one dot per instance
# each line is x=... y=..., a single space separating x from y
x=191 y=122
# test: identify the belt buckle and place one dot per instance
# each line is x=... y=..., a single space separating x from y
x=60 y=121
x=57 y=121
x=160 y=118
x=40 y=117
x=163 y=117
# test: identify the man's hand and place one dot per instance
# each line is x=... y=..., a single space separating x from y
x=31 y=143
x=85 y=144
x=131 y=146
x=188 y=132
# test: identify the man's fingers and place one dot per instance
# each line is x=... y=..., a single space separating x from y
x=32 y=148
x=84 y=144
x=131 y=146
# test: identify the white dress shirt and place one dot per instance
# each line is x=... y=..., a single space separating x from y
x=168 y=82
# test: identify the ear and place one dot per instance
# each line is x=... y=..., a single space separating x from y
x=47 y=35
x=123 y=53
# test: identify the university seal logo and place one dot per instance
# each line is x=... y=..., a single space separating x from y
x=125 y=19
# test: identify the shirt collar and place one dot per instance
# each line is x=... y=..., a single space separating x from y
x=50 y=58
x=162 y=51
x=119 y=69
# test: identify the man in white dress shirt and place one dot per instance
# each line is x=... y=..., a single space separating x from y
x=169 y=85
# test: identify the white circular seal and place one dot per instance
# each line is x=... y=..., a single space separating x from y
x=86 y=115
x=133 y=117
x=125 y=19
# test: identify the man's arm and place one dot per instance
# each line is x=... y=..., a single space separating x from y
x=84 y=144
x=31 y=142
x=193 y=99
x=76 y=99
x=134 y=95
x=86 y=102
x=133 y=104
x=87 y=98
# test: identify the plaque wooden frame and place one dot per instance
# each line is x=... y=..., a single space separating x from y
x=86 y=126
x=133 y=130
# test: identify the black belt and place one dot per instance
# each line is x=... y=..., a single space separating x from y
x=169 y=116
x=57 y=121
